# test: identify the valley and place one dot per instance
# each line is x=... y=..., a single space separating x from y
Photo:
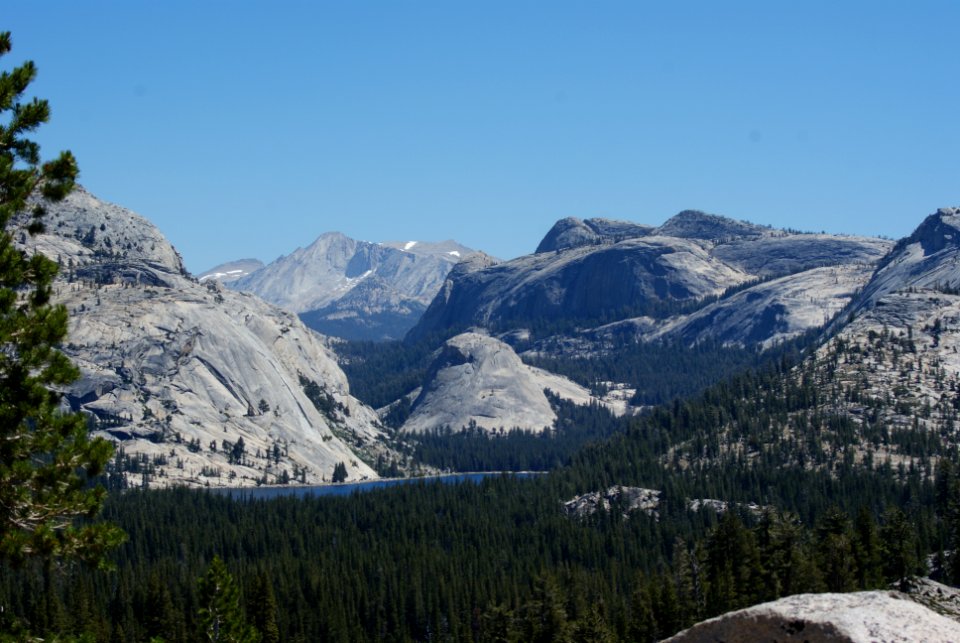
x=772 y=380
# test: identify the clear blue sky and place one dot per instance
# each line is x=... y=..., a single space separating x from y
x=246 y=129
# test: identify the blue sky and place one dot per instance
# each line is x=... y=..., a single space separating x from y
x=246 y=129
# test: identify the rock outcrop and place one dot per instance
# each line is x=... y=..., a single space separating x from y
x=478 y=381
x=860 y=617
x=572 y=232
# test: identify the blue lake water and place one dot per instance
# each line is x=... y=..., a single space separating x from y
x=347 y=488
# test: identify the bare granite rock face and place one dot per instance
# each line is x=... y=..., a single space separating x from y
x=579 y=283
x=197 y=385
x=671 y=279
x=477 y=380
x=862 y=617
x=928 y=259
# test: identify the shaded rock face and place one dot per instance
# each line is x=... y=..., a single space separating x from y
x=860 y=617
x=396 y=281
x=594 y=271
x=177 y=373
x=477 y=381
x=572 y=232
x=585 y=283
x=927 y=259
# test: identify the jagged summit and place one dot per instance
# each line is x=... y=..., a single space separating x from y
x=572 y=232
x=694 y=224
x=938 y=231
x=927 y=259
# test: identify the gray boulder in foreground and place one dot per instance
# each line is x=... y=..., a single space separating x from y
x=878 y=616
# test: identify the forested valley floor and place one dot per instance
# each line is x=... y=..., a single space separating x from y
x=502 y=560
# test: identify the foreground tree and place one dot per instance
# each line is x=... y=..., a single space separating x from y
x=46 y=455
x=220 y=615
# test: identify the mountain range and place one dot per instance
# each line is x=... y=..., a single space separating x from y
x=178 y=370
x=347 y=288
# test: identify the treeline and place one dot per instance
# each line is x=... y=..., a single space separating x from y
x=476 y=449
x=660 y=372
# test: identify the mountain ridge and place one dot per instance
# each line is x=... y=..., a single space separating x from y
x=316 y=282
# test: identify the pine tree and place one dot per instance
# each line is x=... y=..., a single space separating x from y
x=262 y=608
x=220 y=616
x=867 y=551
x=45 y=455
x=898 y=543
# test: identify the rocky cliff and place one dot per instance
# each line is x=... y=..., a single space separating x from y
x=196 y=384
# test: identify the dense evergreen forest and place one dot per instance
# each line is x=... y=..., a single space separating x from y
x=502 y=560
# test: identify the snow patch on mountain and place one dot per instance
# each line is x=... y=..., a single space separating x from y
x=318 y=282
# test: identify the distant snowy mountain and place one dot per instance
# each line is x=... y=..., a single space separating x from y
x=356 y=289
x=231 y=271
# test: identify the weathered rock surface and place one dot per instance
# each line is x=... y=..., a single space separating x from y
x=585 y=271
x=694 y=224
x=861 y=617
x=764 y=314
x=927 y=259
x=581 y=283
x=177 y=372
x=572 y=232
x=396 y=281
x=477 y=380
x=625 y=499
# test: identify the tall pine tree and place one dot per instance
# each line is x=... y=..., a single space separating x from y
x=45 y=455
